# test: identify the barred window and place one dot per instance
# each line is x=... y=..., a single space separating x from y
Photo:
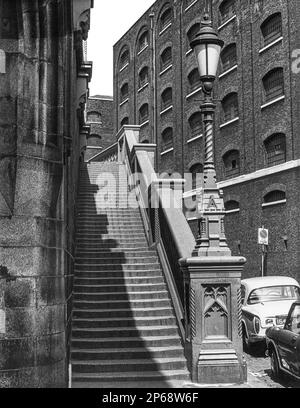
x=94 y=117
x=143 y=77
x=124 y=59
x=143 y=40
x=166 y=99
x=230 y=107
x=275 y=149
x=144 y=113
x=125 y=121
x=229 y=57
x=167 y=139
x=275 y=195
x=232 y=205
x=166 y=58
x=232 y=163
x=271 y=28
x=227 y=10
x=197 y=175
x=165 y=19
x=124 y=93
x=273 y=84
x=191 y=34
x=195 y=124
x=194 y=81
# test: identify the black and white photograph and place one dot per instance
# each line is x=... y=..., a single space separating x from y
x=149 y=198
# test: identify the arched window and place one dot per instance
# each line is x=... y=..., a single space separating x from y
x=94 y=117
x=143 y=113
x=166 y=98
x=232 y=163
x=230 y=107
x=124 y=59
x=195 y=124
x=275 y=148
x=191 y=34
x=231 y=205
x=167 y=139
x=125 y=121
x=197 y=175
x=273 y=84
x=165 y=19
x=274 y=196
x=194 y=80
x=227 y=10
x=143 y=77
x=229 y=57
x=143 y=41
x=124 y=93
x=166 y=58
x=271 y=28
x=94 y=140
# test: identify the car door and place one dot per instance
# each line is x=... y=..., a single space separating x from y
x=289 y=341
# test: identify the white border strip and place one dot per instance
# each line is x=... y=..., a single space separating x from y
x=229 y=122
x=167 y=151
x=228 y=71
x=260 y=173
x=195 y=138
x=272 y=102
x=226 y=22
x=270 y=45
x=274 y=203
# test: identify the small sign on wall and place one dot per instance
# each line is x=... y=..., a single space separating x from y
x=2 y=322
x=263 y=236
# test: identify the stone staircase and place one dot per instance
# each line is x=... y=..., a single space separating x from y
x=124 y=331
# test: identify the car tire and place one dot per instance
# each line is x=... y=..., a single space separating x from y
x=246 y=343
x=275 y=368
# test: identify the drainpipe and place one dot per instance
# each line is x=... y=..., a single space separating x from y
x=154 y=89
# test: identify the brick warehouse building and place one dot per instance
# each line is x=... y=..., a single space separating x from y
x=257 y=148
x=99 y=117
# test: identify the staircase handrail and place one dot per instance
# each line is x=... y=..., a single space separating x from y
x=106 y=153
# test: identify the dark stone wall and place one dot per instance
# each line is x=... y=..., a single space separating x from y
x=39 y=161
x=247 y=134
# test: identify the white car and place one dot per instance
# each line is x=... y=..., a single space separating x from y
x=266 y=302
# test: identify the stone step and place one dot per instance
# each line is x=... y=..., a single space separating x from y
x=130 y=383
x=109 y=366
x=117 y=288
x=112 y=260
x=119 y=296
x=116 y=253
x=119 y=304
x=125 y=312
x=123 y=322
x=125 y=342
x=112 y=246
x=126 y=353
x=116 y=267
x=118 y=273
x=145 y=280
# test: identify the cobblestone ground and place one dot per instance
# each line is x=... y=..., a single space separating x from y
x=259 y=372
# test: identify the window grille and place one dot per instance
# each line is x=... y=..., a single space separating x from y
x=143 y=113
x=191 y=34
x=232 y=163
x=167 y=139
x=275 y=147
x=230 y=107
x=227 y=10
x=143 y=77
x=194 y=80
x=166 y=58
x=124 y=93
x=124 y=60
x=143 y=41
x=273 y=196
x=229 y=57
x=166 y=19
x=166 y=99
x=272 y=29
x=274 y=84
x=195 y=123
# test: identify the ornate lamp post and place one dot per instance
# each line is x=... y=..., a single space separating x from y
x=212 y=276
